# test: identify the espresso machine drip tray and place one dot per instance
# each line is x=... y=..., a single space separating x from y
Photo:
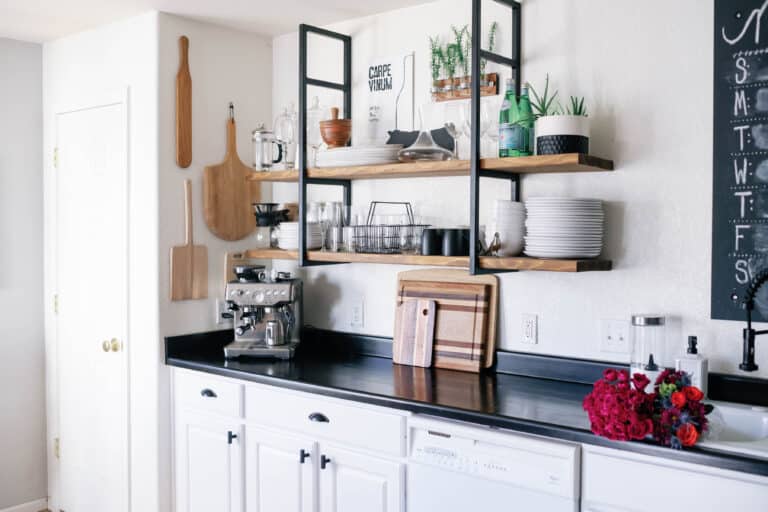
x=259 y=349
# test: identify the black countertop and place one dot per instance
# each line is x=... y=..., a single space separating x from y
x=363 y=372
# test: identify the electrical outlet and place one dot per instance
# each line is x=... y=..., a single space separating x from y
x=357 y=315
x=530 y=328
x=221 y=308
x=615 y=336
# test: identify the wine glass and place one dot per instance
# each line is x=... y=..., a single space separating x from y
x=466 y=123
x=314 y=139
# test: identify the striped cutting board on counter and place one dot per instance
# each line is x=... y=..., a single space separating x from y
x=462 y=312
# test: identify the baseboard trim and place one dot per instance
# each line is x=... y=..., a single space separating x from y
x=33 y=506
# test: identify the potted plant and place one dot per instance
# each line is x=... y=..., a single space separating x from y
x=462 y=56
x=559 y=130
x=436 y=62
x=450 y=60
x=484 y=82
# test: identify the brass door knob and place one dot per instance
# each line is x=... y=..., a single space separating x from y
x=115 y=345
x=105 y=346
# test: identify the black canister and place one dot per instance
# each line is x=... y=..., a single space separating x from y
x=456 y=242
x=431 y=242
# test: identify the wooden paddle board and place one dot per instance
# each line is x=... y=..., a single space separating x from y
x=227 y=195
x=183 y=107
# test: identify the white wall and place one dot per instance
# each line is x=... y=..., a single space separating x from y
x=648 y=83
x=22 y=360
x=118 y=56
x=226 y=65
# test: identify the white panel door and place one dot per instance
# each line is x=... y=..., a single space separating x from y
x=352 y=482
x=280 y=472
x=91 y=274
x=209 y=464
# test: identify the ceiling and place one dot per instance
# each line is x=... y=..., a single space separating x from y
x=43 y=20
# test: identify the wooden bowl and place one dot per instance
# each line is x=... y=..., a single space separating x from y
x=336 y=132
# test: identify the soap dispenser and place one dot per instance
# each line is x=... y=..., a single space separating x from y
x=694 y=365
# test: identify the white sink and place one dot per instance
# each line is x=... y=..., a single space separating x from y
x=739 y=429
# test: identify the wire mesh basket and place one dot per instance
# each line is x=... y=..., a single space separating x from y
x=388 y=238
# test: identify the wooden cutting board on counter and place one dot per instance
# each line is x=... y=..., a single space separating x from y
x=227 y=195
x=414 y=333
x=466 y=311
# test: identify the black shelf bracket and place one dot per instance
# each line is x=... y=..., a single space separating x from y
x=475 y=172
x=304 y=82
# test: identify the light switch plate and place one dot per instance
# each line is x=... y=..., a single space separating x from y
x=614 y=336
x=530 y=328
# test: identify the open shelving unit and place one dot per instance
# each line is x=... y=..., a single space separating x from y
x=508 y=169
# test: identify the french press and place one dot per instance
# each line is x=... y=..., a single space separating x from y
x=264 y=142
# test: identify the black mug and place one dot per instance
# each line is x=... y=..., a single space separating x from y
x=431 y=242
x=456 y=242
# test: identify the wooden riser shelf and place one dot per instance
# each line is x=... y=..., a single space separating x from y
x=539 y=164
x=491 y=263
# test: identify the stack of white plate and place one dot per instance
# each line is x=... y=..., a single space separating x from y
x=560 y=227
x=288 y=236
x=358 y=155
x=509 y=223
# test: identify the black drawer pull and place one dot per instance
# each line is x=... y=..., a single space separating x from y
x=303 y=455
x=319 y=417
x=208 y=393
x=324 y=461
x=230 y=437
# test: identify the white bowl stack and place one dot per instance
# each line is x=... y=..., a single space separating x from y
x=509 y=223
x=358 y=155
x=561 y=227
x=288 y=236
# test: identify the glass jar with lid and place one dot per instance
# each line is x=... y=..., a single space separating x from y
x=648 y=343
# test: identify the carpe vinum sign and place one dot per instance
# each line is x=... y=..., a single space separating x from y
x=380 y=77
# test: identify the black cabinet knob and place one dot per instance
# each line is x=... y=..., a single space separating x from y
x=208 y=393
x=303 y=455
x=324 y=461
x=231 y=436
x=319 y=417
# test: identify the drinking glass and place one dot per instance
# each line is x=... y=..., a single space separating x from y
x=325 y=217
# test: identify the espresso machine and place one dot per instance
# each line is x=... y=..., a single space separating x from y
x=266 y=312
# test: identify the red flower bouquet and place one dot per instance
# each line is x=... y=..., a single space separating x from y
x=619 y=411
x=673 y=413
x=680 y=416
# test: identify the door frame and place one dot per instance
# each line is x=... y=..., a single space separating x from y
x=77 y=103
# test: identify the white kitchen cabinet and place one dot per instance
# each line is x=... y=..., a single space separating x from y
x=620 y=481
x=352 y=482
x=280 y=472
x=209 y=463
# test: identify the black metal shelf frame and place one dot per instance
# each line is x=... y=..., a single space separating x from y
x=475 y=172
x=346 y=87
x=304 y=82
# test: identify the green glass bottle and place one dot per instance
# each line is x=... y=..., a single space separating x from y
x=525 y=122
x=508 y=117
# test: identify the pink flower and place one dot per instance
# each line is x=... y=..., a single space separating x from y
x=640 y=381
x=610 y=374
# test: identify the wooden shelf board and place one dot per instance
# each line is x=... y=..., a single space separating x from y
x=491 y=263
x=538 y=164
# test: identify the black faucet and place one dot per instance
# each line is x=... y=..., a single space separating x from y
x=749 y=334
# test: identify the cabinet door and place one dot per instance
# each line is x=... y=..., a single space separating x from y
x=351 y=482
x=279 y=472
x=209 y=464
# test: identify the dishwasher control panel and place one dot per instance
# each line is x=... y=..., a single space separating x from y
x=516 y=459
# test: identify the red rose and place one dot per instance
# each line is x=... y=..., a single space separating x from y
x=623 y=376
x=693 y=393
x=678 y=399
x=640 y=381
x=639 y=428
x=687 y=434
x=610 y=374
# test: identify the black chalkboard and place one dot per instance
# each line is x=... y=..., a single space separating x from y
x=740 y=154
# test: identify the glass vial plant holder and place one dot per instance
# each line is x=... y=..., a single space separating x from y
x=647 y=337
x=286 y=132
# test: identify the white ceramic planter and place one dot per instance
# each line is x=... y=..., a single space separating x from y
x=562 y=134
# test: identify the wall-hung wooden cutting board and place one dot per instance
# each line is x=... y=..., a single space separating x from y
x=183 y=107
x=227 y=196
x=465 y=318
